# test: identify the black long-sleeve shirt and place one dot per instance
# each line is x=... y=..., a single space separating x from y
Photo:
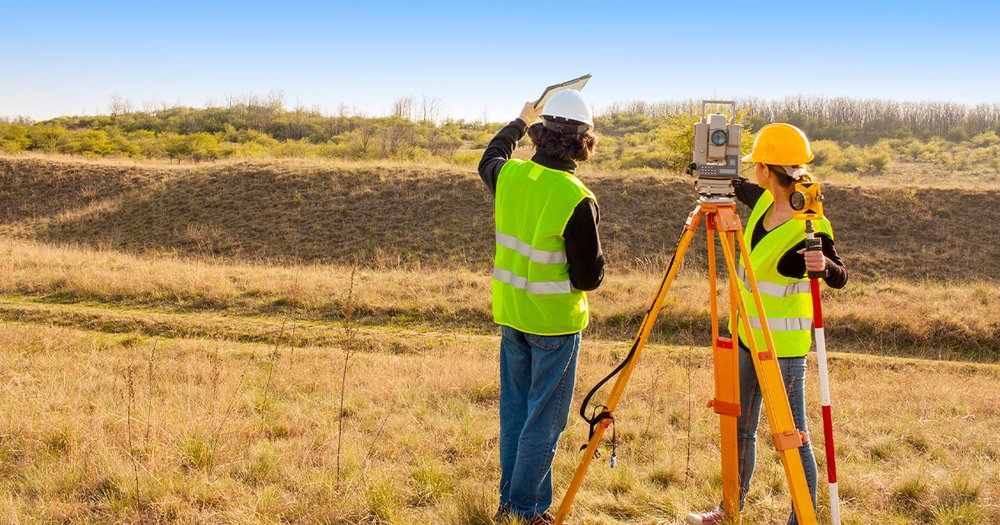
x=792 y=264
x=583 y=244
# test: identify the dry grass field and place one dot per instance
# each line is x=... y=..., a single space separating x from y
x=177 y=339
x=125 y=428
x=99 y=289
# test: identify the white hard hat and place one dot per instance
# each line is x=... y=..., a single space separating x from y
x=569 y=104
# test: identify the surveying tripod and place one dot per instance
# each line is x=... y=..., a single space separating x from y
x=719 y=217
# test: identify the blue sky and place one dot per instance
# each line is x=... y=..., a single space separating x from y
x=486 y=58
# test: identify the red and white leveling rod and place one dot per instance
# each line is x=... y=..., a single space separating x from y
x=824 y=383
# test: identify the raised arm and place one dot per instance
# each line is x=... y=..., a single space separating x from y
x=501 y=148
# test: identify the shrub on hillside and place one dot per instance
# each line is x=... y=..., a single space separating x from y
x=986 y=139
x=827 y=153
x=46 y=138
x=869 y=160
x=443 y=141
x=620 y=124
x=957 y=134
x=875 y=161
x=14 y=137
x=334 y=150
x=197 y=147
x=89 y=143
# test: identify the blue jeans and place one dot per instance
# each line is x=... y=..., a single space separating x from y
x=793 y=372
x=537 y=375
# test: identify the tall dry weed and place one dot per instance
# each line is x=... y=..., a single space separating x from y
x=349 y=348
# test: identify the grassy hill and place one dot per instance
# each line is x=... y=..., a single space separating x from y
x=921 y=284
x=440 y=216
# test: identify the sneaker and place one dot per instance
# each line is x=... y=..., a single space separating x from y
x=714 y=516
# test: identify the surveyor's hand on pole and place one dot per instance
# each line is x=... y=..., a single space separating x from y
x=530 y=113
x=815 y=261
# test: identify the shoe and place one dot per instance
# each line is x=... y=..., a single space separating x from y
x=544 y=519
x=501 y=515
x=714 y=516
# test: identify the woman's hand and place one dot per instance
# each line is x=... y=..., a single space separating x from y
x=815 y=261
x=530 y=114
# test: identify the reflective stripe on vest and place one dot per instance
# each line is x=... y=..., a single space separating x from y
x=537 y=288
x=532 y=291
x=786 y=301
x=781 y=324
x=773 y=289
x=525 y=249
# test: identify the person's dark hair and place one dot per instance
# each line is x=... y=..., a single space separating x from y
x=784 y=179
x=563 y=146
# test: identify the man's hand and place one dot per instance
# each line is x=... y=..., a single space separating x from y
x=530 y=114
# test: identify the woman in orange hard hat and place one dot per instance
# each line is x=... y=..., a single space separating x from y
x=780 y=263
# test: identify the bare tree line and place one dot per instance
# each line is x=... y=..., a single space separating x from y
x=873 y=116
x=424 y=110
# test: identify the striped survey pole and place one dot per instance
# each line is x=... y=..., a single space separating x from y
x=812 y=243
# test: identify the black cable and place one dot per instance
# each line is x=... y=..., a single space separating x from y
x=594 y=420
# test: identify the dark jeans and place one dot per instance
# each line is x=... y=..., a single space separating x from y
x=793 y=372
x=537 y=375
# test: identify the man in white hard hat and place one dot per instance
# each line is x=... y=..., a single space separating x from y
x=548 y=253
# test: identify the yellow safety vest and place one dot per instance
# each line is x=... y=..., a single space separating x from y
x=531 y=287
x=787 y=301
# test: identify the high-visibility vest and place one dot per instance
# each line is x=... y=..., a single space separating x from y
x=787 y=301
x=531 y=287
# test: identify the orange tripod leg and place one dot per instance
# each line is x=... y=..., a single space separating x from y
x=787 y=439
x=727 y=389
